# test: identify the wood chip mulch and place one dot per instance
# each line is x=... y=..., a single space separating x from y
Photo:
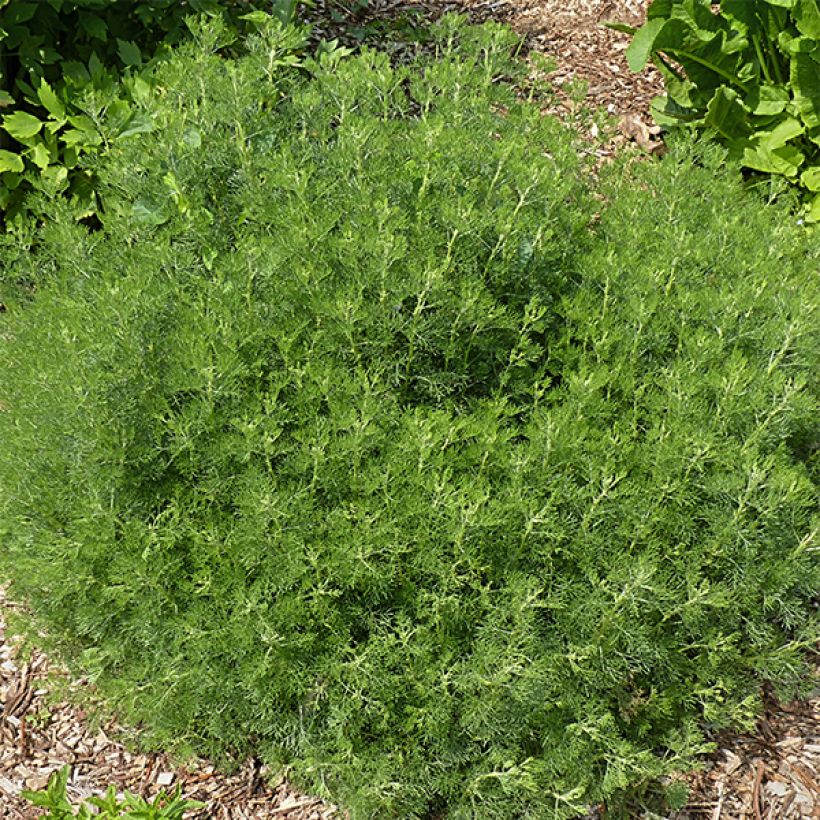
x=39 y=735
x=769 y=775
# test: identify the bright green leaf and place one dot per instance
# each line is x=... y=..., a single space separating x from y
x=643 y=43
x=40 y=155
x=21 y=125
x=785 y=160
x=807 y=17
x=811 y=178
x=726 y=114
x=10 y=162
x=805 y=77
x=51 y=102
x=258 y=17
x=766 y=100
x=778 y=135
x=56 y=175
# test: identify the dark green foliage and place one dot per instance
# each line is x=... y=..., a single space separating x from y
x=748 y=71
x=68 y=86
x=352 y=439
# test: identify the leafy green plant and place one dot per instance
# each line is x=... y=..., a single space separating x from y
x=69 y=84
x=352 y=440
x=749 y=72
x=108 y=807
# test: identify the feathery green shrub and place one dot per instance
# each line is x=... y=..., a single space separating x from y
x=355 y=438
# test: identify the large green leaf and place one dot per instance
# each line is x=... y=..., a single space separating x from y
x=780 y=134
x=741 y=13
x=765 y=100
x=665 y=111
x=51 y=102
x=805 y=78
x=726 y=115
x=129 y=52
x=795 y=45
x=10 y=162
x=643 y=44
x=21 y=126
x=807 y=17
x=811 y=178
x=94 y=26
x=769 y=150
x=785 y=161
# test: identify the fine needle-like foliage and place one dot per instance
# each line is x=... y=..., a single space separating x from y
x=361 y=436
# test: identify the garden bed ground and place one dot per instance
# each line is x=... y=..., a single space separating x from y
x=770 y=774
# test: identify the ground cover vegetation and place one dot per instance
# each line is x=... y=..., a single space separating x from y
x=108 y=806
x=365 y=435
x=70 y=84
x=748 y=71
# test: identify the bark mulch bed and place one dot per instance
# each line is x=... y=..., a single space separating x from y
x=41 y=733
x=769 y=775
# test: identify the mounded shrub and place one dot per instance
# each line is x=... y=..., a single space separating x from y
x=362 y=437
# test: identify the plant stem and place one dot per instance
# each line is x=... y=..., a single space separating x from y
x=760 y=58
x=711 y=66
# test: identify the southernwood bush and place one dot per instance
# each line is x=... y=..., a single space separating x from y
x=352 y=439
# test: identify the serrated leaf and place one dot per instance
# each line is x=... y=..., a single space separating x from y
x=40 y=155
x=5 y=99
x=21 y=125
x=75 y=73
x=258 y=17
x=10 y=162
x=51 y=102
x=129 y=52
x=94 y=25
x=96 y=69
